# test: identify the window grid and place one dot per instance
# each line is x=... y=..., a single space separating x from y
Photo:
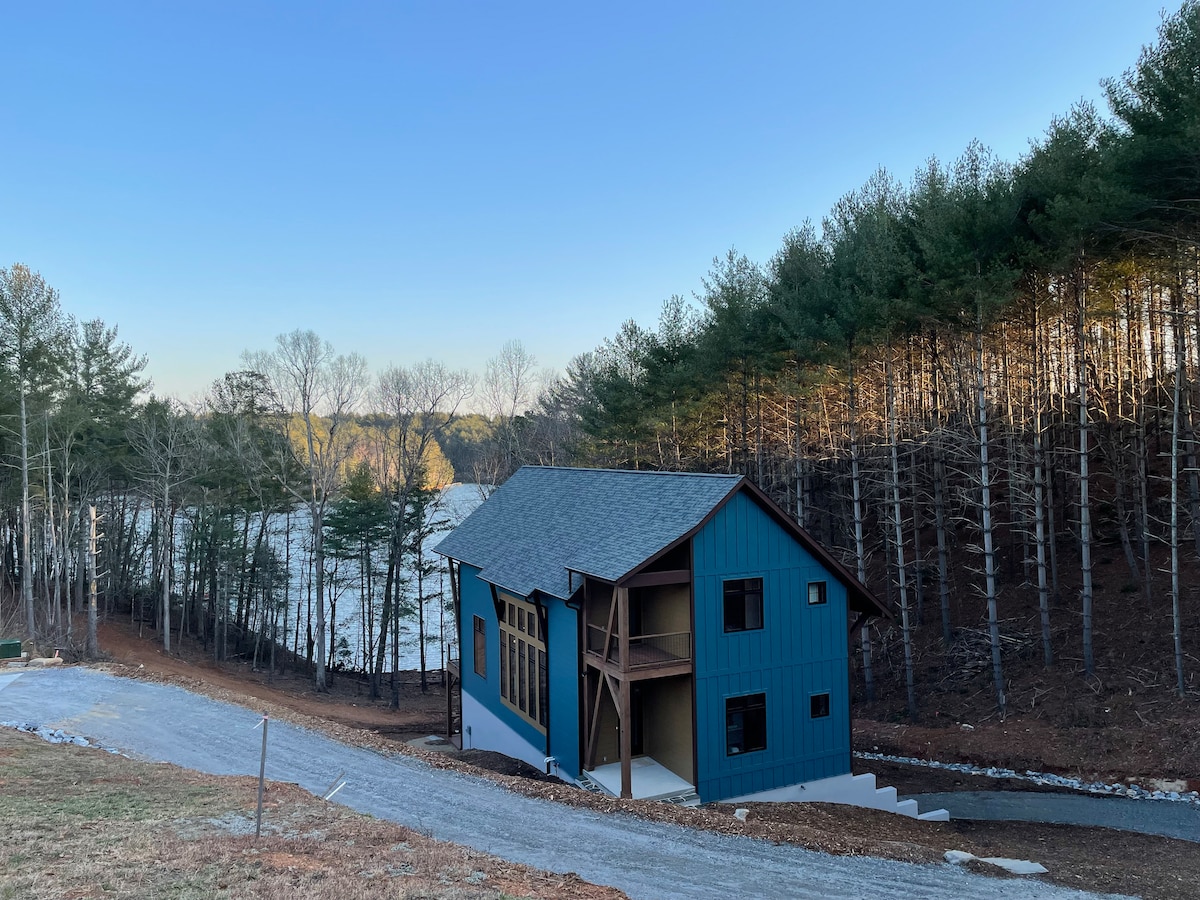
x=524 y=683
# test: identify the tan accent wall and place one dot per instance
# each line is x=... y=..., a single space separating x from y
x=667 y=704
x=666 y=609
x=608 y=747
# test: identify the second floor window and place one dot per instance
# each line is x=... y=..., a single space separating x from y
x=743 y=604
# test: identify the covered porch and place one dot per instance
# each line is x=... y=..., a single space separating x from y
x=649 y=780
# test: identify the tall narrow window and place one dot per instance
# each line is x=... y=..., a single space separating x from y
x=514 y=673
x=543 y=690
x=480 y=647
x=743 y=604
x=524 y=688
x=503 y=664
x=745 y=724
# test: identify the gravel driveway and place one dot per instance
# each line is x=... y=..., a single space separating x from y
x=644 y=859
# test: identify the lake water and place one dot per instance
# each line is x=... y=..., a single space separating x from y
x=454 y=504
x=290 y=537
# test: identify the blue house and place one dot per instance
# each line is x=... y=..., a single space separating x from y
x=657 y=633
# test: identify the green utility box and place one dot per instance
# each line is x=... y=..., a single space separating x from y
x=10 y=649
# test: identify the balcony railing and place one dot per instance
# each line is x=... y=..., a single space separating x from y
x=645 y=651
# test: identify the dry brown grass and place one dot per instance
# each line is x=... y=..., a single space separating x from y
x=80 y=823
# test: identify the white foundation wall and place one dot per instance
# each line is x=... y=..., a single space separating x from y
x=487 y=732
x=853 y=790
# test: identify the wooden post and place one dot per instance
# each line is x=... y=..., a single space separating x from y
x=262 y=773
x=626 y=743
x=593 y=732
x=623 y=627
x=623 y=704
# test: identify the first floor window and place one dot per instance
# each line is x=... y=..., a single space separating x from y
x=745 y=724
x=743 y=604
x=818 y=706
x=523 y=682
x=480 y=647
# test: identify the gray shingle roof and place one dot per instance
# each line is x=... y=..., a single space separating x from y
x=602 y=522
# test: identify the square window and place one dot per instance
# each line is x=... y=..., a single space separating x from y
x=743 y=604
x=818 y=706
x=816 y=593
x=745 y=724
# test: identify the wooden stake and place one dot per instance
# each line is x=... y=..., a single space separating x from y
x=262 y=773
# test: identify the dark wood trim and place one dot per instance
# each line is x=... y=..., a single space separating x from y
x=858 y=623
x=654 y=579
x=613 y=670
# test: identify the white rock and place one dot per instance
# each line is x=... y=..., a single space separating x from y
x=740 y=814
x=1016 y=866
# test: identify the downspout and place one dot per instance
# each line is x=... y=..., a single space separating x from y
x=543 y=623
x=695 y=669
x=456 y=595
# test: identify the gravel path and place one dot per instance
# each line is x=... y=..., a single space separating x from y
x=644 y=859
x=1176 y=820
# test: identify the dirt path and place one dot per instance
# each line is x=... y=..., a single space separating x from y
x=643 y=858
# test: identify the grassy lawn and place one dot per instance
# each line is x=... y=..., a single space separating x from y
x=81 y=823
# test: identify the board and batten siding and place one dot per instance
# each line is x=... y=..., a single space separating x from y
x=562 y=651
x=801 y=650
x=562 y=661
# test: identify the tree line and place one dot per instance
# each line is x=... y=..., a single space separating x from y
x=967 y=382
x=242 y=520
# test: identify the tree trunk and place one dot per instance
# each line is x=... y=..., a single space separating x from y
x=898 y=523
x=166 y=567
x=1085 y=508
x=985 y=509
x=860 y=551
x=26 y=563
x=1039 y=503
x=93 y=644
x=1176 y=619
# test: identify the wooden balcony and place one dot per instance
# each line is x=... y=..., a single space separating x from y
x=646 y=652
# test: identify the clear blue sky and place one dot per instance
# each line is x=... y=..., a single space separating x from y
x=435 y=178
